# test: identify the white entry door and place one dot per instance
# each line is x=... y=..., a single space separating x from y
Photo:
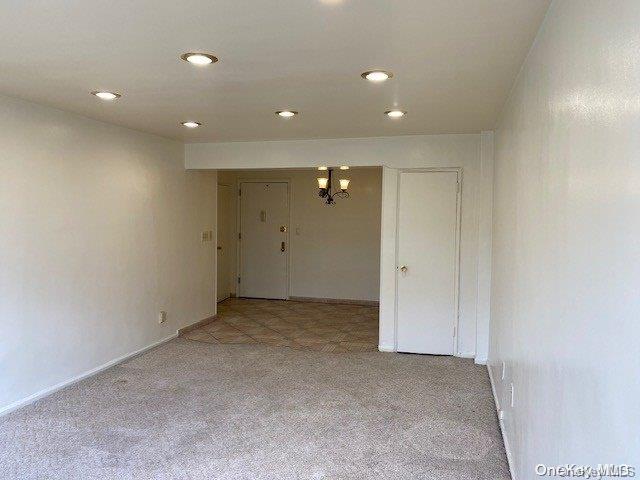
x=264 y=239
x=427 y=261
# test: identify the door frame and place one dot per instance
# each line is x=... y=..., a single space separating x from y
x=217 y=239
x=456 y=323
x=241 y=180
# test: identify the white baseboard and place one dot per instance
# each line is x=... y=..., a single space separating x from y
x=200 y=323
x=386 y=348
x=465 y=355
x=48 y=391
x=502 y=427
x=481 y=359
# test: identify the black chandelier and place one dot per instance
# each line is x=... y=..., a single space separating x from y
x=324 y=184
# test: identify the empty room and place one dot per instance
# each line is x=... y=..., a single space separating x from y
x=319 y=239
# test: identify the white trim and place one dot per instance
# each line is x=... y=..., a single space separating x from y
x=502 y=427
x=386 y=348
x=480 y=360
x=240 y=181
x=456 y=346
x=217 y=231
x=459 y=176
x=48 y=391
x=465 y=354
x=484 y=197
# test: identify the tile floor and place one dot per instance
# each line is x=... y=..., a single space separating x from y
x=300 y=325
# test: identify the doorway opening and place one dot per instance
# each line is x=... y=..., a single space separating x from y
x=294 y=270
x=289 y=244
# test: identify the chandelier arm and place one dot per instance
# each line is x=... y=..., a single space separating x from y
x=328 y=195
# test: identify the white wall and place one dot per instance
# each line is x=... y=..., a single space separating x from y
x=416 y=151
x=334 y=251
x=485 y=209
x=566 y=265
x=99 y=231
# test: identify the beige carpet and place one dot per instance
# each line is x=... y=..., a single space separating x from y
x=193 y=410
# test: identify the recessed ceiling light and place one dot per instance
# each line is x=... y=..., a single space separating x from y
x=191 y=124
x=377 y=75
x=344 y=167
x=199 y=58
x=395 y=113
x=322 y=168
x=286 y=113
x=106 y=95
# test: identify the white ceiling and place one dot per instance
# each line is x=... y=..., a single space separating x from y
x=454 y=62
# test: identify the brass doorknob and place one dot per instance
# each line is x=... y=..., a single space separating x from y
x=403 y=269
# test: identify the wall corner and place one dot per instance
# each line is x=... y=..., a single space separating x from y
x=485 y=225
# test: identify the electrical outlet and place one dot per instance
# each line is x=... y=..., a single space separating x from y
x=162 y=317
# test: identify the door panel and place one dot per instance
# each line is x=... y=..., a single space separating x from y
x=264 y=211
x=427 y=232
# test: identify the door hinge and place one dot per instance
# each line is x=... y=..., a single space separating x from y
x=238 y=279
x=239 y=236
x=239 y=192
